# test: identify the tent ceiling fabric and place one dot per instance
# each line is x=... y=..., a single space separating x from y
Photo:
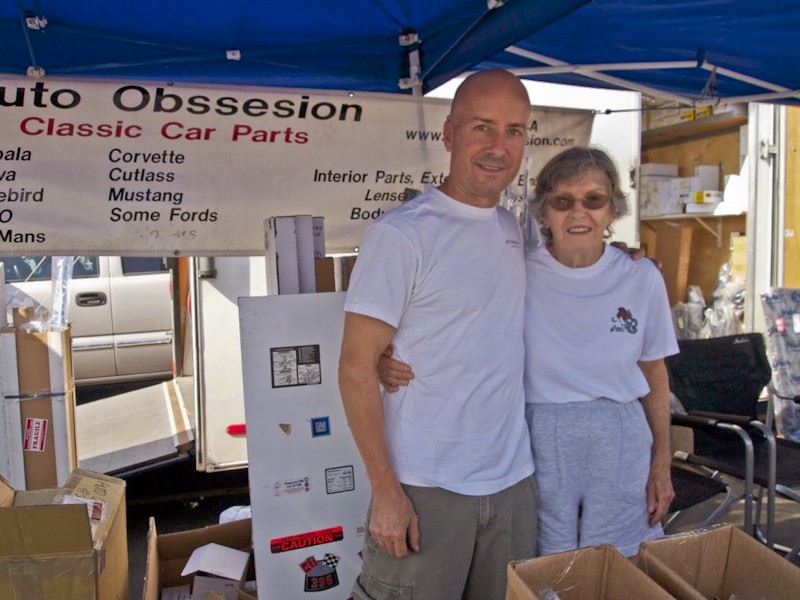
x=699 y=51
x=307 y=44
x=695 y=51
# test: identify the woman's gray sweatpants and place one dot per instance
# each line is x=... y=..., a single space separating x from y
x=592 y=463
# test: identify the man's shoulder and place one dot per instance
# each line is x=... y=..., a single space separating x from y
x=410 y=211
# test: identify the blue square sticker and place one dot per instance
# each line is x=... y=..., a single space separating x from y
x=320 y=426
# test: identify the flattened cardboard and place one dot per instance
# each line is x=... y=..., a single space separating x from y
x=596 y=573
x=720 y=561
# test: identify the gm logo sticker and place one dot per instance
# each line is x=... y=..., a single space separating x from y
x=320 y=426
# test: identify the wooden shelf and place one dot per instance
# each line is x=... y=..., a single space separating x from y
x=692 y=129
x=688 y=216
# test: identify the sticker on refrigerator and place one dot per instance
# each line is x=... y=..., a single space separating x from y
x=320 y=426
x=320 y=575
x=35 y=435
x=290 y=486
x=306 y=540
x=339 y=479
x=296 y=365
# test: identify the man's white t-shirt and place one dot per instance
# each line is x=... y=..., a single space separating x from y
x=586 y=329
x=450 y=278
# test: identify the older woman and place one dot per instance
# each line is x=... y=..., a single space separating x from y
x=597 y=328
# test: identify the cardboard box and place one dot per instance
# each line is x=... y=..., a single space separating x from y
x=719 y=562
x=37 y=408
x=596 y=573
x=654 y=196
x=348 y=264
x=705 y=197
x=683 y=187
x=217 y=571
x=168 y=554
x=709 y=176
x=658 y=170
x=666 y=115
x=65 y=543
x=691 y=208
x=325 y=275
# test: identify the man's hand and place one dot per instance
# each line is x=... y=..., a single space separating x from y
x=392 y=373
x=659 y=492
x=636 y=253
x=393 y=523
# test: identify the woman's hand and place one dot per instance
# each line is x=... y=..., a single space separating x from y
x=659 y=492
x=392 y=373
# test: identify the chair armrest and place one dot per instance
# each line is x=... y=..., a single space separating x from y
x=739 y=420
x=693 y=421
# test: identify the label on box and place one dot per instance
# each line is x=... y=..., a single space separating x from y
x=706 y=196
x=35 y=435
x=96 y=508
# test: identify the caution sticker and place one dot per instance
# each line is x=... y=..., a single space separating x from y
x=305 y=540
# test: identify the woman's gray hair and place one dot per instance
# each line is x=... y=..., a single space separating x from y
x=568 y=166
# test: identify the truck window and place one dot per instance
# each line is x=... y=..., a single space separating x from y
x=138 y=265
x=38 y=268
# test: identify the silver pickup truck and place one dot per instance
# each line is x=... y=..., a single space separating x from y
x=120 y=310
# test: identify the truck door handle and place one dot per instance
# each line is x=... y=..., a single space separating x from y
x=91 y=299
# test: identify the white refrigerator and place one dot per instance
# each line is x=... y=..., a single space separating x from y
x=308 y=487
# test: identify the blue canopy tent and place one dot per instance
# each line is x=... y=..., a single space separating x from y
x=693 y=51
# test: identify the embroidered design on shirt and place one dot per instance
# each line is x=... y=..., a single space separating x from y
x=624 y=321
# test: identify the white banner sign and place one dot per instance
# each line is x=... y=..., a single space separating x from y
x=147 y=169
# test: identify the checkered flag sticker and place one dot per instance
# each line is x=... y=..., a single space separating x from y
x=330 y=560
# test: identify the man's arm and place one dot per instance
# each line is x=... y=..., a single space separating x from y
x=656 y=409
x=393 y=521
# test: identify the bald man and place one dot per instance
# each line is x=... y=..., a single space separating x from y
x=442 y=279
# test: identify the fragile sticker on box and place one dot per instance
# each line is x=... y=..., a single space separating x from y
x=35 y=435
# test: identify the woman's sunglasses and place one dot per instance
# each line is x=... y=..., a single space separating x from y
x=565 y=202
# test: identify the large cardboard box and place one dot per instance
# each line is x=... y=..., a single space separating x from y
x=719 y=562
x=37 y=408
x=168 y=554
x=595 y=573
x=65 y=544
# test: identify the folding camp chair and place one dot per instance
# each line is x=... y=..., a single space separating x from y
x=719 y=381
x=694 y=487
